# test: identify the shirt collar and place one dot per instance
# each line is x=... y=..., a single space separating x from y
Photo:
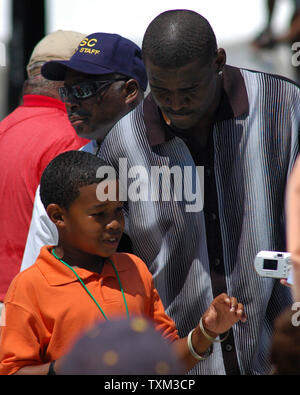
x=234 y=103
x=56 y=273
x=43 y=101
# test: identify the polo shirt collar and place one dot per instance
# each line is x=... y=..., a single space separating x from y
x=43 y=101
x=56 y=273
x=234 y=103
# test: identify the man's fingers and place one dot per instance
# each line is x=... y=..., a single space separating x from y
x=233 y=304
x=241 y=312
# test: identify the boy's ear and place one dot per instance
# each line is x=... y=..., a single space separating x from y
x=56 y=214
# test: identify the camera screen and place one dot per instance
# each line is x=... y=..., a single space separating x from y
x=270 y=264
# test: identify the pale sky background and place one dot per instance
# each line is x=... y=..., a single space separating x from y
x=232 y=20
x=235 y=23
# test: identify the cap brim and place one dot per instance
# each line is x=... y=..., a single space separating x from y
x=56 y=70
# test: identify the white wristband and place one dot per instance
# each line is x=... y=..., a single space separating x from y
x=208 y=337
x=193 y=352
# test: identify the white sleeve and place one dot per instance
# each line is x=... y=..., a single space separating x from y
x=42 y=231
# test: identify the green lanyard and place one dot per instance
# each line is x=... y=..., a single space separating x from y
x=89 y=293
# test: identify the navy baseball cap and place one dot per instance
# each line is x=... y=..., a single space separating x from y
x=100 y=54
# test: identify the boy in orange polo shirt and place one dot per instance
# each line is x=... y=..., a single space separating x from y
x=83 y=279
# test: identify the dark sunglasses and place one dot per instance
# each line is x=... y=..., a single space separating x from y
x=84 y=90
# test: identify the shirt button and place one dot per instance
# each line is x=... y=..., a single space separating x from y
x=213 y=216
x=228 y=347
x=217 y=262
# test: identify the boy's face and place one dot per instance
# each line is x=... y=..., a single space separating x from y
x=92 y=226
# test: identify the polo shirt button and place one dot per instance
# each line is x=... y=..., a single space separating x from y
x=228 y=347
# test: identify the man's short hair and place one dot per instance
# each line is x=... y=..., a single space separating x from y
x=66 y=174
x=178 y=37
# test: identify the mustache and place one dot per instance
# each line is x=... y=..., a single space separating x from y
x=183 y=112
x=79 y=113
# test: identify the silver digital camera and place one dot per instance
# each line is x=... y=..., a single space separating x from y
x=273 y=264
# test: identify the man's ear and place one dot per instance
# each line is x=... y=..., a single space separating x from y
x=220 y=60
x=132 y=91
x=56 y=214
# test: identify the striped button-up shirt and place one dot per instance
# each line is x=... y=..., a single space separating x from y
x=196 y=254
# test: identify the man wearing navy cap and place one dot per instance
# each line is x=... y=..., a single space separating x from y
x=103 y=81
x=106 y=71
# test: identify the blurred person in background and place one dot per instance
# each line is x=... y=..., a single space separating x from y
x=293 y=226
x=285 y=348
x=121 y=346
x=268 y=39
x=30 y=137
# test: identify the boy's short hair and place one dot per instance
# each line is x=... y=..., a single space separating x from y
x=65 y=174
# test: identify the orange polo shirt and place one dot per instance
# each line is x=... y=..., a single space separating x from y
x=46 y=307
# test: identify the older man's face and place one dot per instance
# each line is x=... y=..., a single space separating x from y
x=94 y=116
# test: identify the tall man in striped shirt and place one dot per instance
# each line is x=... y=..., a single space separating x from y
x=242 y=126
